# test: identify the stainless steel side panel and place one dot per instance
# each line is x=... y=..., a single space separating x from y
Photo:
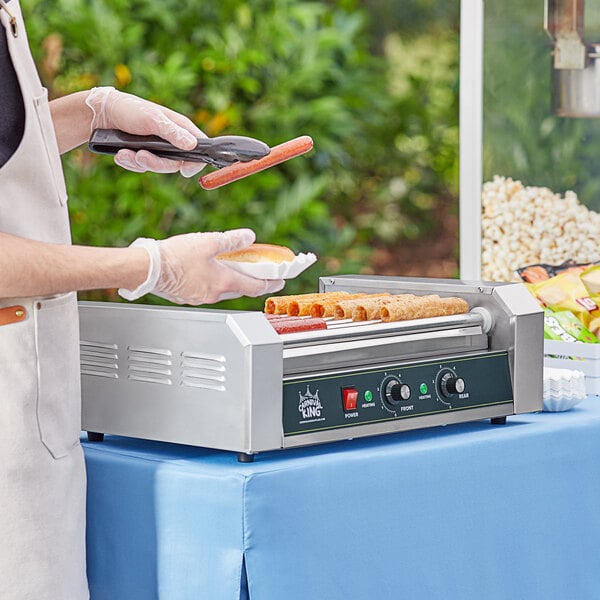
x=200 y=377
x=525 y=340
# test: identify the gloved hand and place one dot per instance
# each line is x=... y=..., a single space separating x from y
x=113 y=109
x=183 y=269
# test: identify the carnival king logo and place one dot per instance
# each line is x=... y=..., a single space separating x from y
x=309 y=404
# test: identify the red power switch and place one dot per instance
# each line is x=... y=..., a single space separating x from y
x=349 y=398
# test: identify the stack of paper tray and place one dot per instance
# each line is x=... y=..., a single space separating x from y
x=563 y=389
x=575 y=356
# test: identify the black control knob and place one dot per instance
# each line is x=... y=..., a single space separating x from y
x=399 y=392
x=394 y=391
x=451 y=384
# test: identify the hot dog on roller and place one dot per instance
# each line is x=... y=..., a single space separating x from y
x=302 y=307
x=297 y=324
x=423 y=307
x=290 y=305
x=347 y=309
x=278 y=305
x=361 y=307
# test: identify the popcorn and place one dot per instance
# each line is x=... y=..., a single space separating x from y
x=526 y=225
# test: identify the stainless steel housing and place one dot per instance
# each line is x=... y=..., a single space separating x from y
x=214 y=378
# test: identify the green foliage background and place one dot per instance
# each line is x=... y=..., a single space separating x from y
x=374 y=84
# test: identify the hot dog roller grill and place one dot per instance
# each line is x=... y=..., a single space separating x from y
x=226 y=380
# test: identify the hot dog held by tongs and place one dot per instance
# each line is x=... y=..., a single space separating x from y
x=239 y=170
x=234 y=156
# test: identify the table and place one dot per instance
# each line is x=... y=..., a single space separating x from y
x=468 y=512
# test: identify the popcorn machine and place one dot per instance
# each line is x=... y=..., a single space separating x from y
x=575 y=71
x=529 y=134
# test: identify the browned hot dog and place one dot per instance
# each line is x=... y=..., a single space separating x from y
x=424 y=307
x=239 y=170
x=277 y=305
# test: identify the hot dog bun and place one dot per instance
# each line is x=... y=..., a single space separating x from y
x=260 y=253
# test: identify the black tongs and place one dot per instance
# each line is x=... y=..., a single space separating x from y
x=219 y=151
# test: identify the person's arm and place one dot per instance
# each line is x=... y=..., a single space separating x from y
x=76 y=115
x=29 y=268
x=182 y=268
x=72 y=119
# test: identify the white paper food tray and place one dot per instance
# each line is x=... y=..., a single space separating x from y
x=578 y=356
x=270 y=270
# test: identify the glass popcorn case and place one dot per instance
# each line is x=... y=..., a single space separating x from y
x=530 y=135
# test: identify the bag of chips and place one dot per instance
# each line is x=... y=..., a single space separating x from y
x=565 y=326
x=566 y=292
x=541 y=272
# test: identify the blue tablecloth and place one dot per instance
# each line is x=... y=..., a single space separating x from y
x=463 y=512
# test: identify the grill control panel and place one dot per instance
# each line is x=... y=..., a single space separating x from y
x=395 y=392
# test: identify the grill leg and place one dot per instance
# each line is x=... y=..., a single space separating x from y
x=498 y=420
x=94 y=436
x=245 y=457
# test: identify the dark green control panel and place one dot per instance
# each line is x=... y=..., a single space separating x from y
x=395 y=392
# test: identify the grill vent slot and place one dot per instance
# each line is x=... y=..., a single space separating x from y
x=207 y=371
x=150 y=365
x=99 y=359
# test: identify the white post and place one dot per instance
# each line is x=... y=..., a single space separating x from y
x=471 y=137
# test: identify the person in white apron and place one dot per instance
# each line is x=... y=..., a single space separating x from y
x=42 y=476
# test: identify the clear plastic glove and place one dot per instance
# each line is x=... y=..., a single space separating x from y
x=113 y=109
x=183 y=269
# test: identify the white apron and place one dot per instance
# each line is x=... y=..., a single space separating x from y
x=42 y=476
